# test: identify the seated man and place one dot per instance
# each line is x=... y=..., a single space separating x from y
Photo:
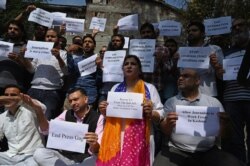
x=80 y=113
x=181 y=149
x=19 y=124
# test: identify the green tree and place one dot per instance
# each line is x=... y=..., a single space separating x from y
x=13 y=8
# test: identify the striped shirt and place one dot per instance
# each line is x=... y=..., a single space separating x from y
x=233 y=91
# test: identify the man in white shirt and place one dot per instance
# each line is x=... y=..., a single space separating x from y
x=19 y=124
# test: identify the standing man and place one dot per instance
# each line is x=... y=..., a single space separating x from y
x=10 y=71
x=161 y=55
x=196 y=35
x=91 y=82
x=80 y=113
x=237 y=97
x=19 y=124
x=117 y=43
x=181 y=149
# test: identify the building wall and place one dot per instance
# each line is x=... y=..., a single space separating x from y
x=113 y=10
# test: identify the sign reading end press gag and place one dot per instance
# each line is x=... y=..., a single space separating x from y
x=125 y=105
x=67 y=136
x=194 y=57
x=217 y=26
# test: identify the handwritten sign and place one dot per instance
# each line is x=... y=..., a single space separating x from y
x=144 y=49
x=128 y=23
x=98 y=23
x=125 y=105
x=5 y=48
x=41 y=17
x=170 y=28
x=197 y=120
x=217 y=26
x=3 y=4
x=87 y=66
x=39 y=50
x=67 y=136
x=194 y=57
x=231 y=67
x=58 y=18
x=74 y=25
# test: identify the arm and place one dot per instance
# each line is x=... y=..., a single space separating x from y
x=94 y=32
x=102 y=107
x=25 y=13
x=61 y=58
x=39 y=109
x=169 y=123
x=216 y=65
x=97 y=136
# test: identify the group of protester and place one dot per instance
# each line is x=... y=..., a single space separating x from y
x=35 y=91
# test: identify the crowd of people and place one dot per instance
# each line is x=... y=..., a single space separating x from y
x=34 y=91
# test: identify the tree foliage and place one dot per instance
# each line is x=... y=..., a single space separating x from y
x=13 y=8
x=200 y=9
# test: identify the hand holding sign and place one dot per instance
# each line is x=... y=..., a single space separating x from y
x=169 y=122
x=91 y=139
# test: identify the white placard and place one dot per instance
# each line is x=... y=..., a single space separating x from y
x=231 y=67
x=87 y=66
x=41 y=17
x=67 y=136
x=144 y=49
x=38 y=50
x=126 y=42
x=128 y=23
x=112 y=73
x=197 y=120
x=98 y=23
x=74 y=25
x=3 y=4
x=125 y=105
x=194 y=57
x=114 y=58
x=112 y=63
x=58 y=18
x=170 y=28
x=5 y=48
x=217 y=26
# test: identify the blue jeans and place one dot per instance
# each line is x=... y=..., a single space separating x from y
x=51 y=98
x=239 y=112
